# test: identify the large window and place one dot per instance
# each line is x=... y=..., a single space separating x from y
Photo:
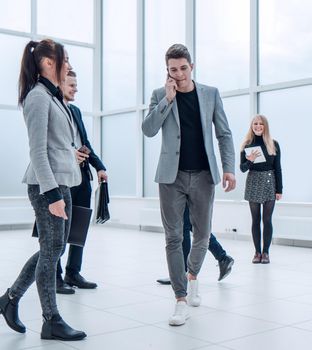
x=237 y=112
x=119 y=135
x=81 y=59
x=15 y=155
x=164 y=26
x=222 y=43
x=285 y=40
x=151 y=155
x=120 y=54
x=10 y=67
x=15 y=15
x=254 y=51
x=289 y=112
x=88 y=123
x=20 y=22
x=70 y=19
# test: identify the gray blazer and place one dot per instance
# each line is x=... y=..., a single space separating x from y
x=51 y=142
x=165 y=115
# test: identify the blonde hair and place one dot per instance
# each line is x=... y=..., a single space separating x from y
x=267 y=139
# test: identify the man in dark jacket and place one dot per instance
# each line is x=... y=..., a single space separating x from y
x=81 y=195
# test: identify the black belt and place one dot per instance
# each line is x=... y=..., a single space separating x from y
x=191 y=171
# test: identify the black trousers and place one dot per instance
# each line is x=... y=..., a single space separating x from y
x=81 y=196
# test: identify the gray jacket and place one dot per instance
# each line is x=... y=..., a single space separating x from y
x=165 y=115
x=51 y=142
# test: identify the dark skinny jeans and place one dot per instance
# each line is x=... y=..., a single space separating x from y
x=53 y=233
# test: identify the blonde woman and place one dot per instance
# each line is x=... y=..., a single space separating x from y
x=261 y=156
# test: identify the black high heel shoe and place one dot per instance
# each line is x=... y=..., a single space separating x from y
x=9 y=310
x=56 y=328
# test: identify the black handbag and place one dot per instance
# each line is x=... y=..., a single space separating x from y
x=101 y=203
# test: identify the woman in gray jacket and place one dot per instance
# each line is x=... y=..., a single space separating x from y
x=53 y=169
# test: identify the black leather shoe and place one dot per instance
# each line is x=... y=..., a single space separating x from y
x=225 y=266
x=9 y=310
x=78 y=281
x=164 y=281
x=58 y=329
x=63 y=288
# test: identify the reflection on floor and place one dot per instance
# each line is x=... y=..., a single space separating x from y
x=256 y=307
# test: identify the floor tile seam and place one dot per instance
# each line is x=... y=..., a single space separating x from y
x=122 y=305
x=269 y=301
x=131 y=287
x=106 y=309
x=298 y=302
x=251 y=335
x=28 y=329
x=82 y=313
x=32 y=330
x=112 y=331
x=256 y=302
x=92 y=308
x=297 y=325
x=143 y=326
x=129 y=304
x=258 y=319
x=281 y=281
x=92 y=336
x=274 y=299
x=258 y=295
x=174 y=329
x=223 y=341
x=232 y=312
x=26 y=320
x=154 y=294
x=269 y=321
x=211 y=310
x=191 y=315
x=214 y=344
x=50 y=345
x=236 y=286
x=132 y=319
x=232 y=309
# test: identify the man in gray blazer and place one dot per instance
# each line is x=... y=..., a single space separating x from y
x=187 y=170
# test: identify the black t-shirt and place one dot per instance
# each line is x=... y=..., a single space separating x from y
x=192 y=151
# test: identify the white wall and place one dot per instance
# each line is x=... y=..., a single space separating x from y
x=292 y=221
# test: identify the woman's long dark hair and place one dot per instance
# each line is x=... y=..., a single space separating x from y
x=34 y=52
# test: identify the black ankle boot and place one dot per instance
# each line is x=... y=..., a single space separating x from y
x=9 y=309
x=57 y=328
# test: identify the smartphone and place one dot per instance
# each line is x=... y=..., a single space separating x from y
x=168 y=75
x=84 y=149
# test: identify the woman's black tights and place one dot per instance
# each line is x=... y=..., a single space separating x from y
x=267 y=212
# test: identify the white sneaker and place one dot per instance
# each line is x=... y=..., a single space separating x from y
x=180 y=315
x=193 y=298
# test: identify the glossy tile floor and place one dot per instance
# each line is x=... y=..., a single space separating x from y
x=257 y=307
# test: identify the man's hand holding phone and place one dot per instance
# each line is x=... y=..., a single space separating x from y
x=171 y=88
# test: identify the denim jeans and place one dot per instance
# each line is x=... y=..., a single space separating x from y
x=53 y=233
x=214 y=247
